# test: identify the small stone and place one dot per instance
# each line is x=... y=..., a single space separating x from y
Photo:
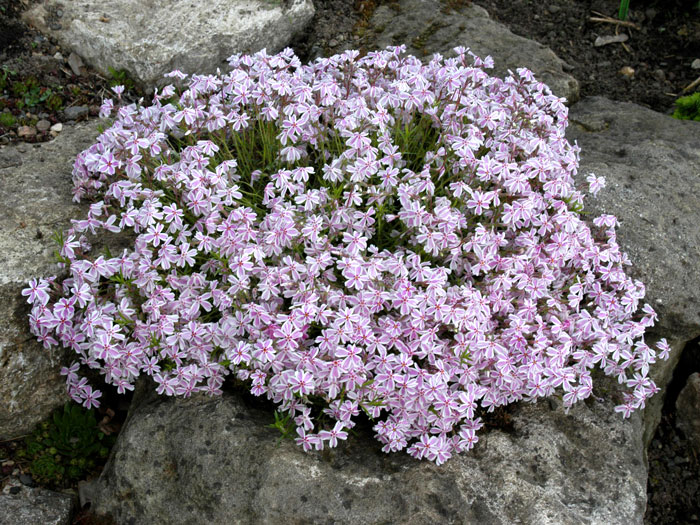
x=75 y=63
x=333 y=42
x=610 y=39
x=57 y=128
x=55 y=26
x=58 y=56
x=554 y=9
x=27 y=480
x=26 y=131
x=15 y=490
x=627 y=72
x=695 y=64
x=43 y=125
x=75 y=112
x=59 y=13
x=659 y=75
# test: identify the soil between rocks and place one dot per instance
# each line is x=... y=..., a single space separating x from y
x=659 y=50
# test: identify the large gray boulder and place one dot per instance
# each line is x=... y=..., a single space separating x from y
x=428 y=27
x=33 y=506
x=148 y=39
x=215 y=460
x=652 y=166
x=35 y=201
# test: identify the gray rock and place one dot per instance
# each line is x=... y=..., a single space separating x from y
x=75 y=63
x=652 y=166
x=43 y=125
x=427 y=29
x=75 y=112
x=206 y=460
x=32 y=506
x=10 y=157
x=35 y=200
x=148 y=39
x=688 y=411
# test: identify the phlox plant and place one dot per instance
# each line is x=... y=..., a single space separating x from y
x=361 y=234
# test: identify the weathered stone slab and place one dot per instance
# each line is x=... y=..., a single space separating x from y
x=32 y=506
x=148 y=39
x=215 y=460
x=428 y=27
x=652 y=166
x=35 y=201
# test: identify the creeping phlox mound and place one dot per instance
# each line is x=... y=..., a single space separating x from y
x=359 y=234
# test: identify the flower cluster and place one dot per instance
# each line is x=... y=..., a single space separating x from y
x=359 y=234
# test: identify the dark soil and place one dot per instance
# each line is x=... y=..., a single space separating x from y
x=36 y=82
x=660 y=50
x=673 y=488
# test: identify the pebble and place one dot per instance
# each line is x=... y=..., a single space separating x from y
x=15 y=490
x=659 y=75
x=43 y=125
x=58 y=56
x=75 y=112
x=695 y=64
x=554 y=9
x=57 y=128
x=55 y=26
x=627 y=72
x=610 y=39
x=27 y=480
x=75 y=63
x=26 y=131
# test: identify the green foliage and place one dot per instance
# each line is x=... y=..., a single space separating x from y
x=7 y=120
x=54 y=102
x=5 y=74
x=31 y=94
x=688 y=108
x=120 y=78
x=283 y=423
x=67 y=447
x=624 y=7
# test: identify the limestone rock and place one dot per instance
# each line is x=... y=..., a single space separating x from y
x=184 y=461
x=428 y=27
x=148 y=39
x=31 y=506
x=35 y=200
x=688 y=411
x=652 y=166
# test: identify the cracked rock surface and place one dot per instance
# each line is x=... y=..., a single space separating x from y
x=35 y=201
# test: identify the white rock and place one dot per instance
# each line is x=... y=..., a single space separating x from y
x=57 y=128
x=610 y=39
x=148 y=39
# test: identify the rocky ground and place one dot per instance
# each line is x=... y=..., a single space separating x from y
x=43 y=88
